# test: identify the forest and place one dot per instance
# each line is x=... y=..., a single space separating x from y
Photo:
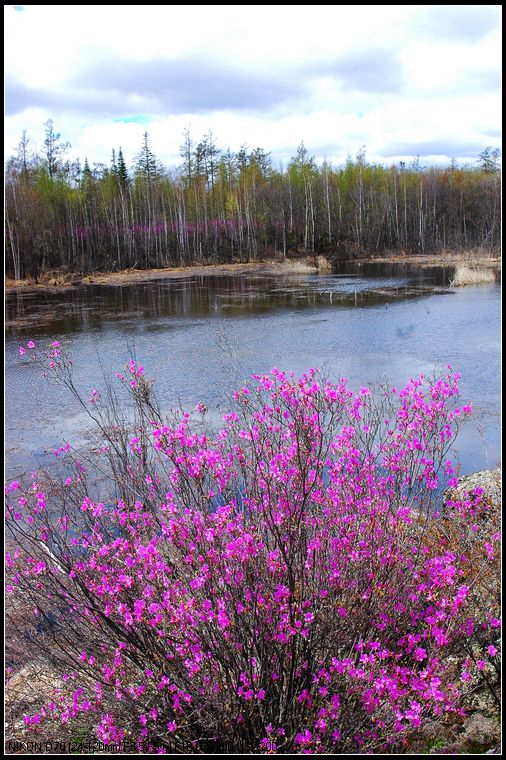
x=223 y=206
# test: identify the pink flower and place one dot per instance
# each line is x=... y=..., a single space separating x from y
x=303 y=738
x=30 y=344
x=22 y=350
x=217 y=577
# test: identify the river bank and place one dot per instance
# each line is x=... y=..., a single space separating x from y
x=58 y=281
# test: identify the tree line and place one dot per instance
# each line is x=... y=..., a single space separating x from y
x=223 y=206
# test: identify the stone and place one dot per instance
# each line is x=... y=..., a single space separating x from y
x=479 y=730
x=489 y=480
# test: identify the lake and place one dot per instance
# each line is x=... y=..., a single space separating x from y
x=202 y=336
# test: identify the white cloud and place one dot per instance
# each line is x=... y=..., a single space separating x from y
x=336 y=77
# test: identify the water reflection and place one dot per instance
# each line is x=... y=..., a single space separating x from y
x=202 y=336
x=90 y=307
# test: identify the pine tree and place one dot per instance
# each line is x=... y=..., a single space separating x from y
x=212 y=153
x=87 y=175
x=489 y=159
x=146 y=164
x=24 y=156
x=122 y=174
x=54 y=150
x=263 y=161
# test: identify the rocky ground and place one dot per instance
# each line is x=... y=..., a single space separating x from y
x=489 y=480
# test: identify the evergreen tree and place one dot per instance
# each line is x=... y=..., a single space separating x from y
x=24 y=156
x=86 y=170
x=242 y=158
x=489 y=159
x=54 y=150
x=146 y=164
x=262 y=160
x=212 y=153
x=122 y=173
x=227 y=205
x=86 y=176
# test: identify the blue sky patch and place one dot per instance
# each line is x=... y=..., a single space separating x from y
x=137 y=119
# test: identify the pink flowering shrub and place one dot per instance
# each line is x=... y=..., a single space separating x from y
x=282 y=584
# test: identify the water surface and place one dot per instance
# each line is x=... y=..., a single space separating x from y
x=202 y=336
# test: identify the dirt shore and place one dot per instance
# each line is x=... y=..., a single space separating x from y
x=54 y=281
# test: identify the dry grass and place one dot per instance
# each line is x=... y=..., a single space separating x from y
x=324 y=265
x=474 y=257
x=466 y=276
x=303 y=266
x=319 y=264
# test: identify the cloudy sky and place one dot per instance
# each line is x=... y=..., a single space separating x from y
x=401 y=81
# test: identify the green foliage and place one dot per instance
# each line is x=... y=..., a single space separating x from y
x=145 y=162
x=222 y=205
x=122 y=172
x=54 y=149
x=489 y=159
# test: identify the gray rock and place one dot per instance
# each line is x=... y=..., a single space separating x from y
x=481 y=730
x=489 y=480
